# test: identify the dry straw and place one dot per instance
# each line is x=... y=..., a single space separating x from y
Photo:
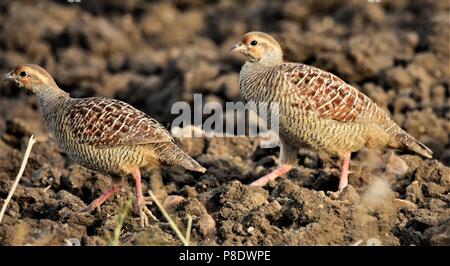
x=31 y=142
x=183 y=239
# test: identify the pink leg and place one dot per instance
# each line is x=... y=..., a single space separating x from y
x=143 y=210
x=343 y=179
x=138 y=183
x=95 y=204
x=272 y=175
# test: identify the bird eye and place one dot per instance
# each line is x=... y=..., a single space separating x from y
x=23 y=74
x=253 y=43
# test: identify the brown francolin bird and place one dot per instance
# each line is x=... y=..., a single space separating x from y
x=105 y=135
x=316 y=108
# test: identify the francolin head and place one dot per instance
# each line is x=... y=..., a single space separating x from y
x=316 y=108
x=105 y=135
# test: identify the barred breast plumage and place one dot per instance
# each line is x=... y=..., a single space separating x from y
x=107 y=135
x=317 y=108
x=103 y=134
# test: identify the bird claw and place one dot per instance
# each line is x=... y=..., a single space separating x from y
x=272 y=175
x=91 y=207
x=144 y=212
x=95 y=204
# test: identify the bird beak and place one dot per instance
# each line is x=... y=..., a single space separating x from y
x=8 y=76
x=237 y=47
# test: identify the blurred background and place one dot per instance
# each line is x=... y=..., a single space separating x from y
x=154 y=53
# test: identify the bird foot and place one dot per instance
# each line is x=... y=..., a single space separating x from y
x=342 y=184
x=95 y=204
x=144 y=212
x=343 y=180
x=272 y=175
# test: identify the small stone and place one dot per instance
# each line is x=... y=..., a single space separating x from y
x=404 y=204
x=396 y=165
x=350 y=194
x=207 y=224
x=172 y=202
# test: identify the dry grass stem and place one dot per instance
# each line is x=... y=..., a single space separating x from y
x=31 y=142
x=171 y=222
x=188 y=229
x=120 y=220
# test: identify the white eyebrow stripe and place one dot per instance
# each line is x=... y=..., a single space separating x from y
x=40 y=76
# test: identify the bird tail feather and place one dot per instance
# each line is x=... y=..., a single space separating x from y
x=414 y=145
x=171 y=154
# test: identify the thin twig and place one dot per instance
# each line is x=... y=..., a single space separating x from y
x=188 y=229
x=171 y=222
x=31 y=142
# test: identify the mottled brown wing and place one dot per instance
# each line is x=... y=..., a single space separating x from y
x=108 y=123
x=330 y=97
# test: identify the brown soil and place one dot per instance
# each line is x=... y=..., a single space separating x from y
x=153 y=54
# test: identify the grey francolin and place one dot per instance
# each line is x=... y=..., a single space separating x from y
x=316 y=108
x=105 y=135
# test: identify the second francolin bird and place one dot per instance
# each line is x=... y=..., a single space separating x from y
x=316 y=108
x=103 y=134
